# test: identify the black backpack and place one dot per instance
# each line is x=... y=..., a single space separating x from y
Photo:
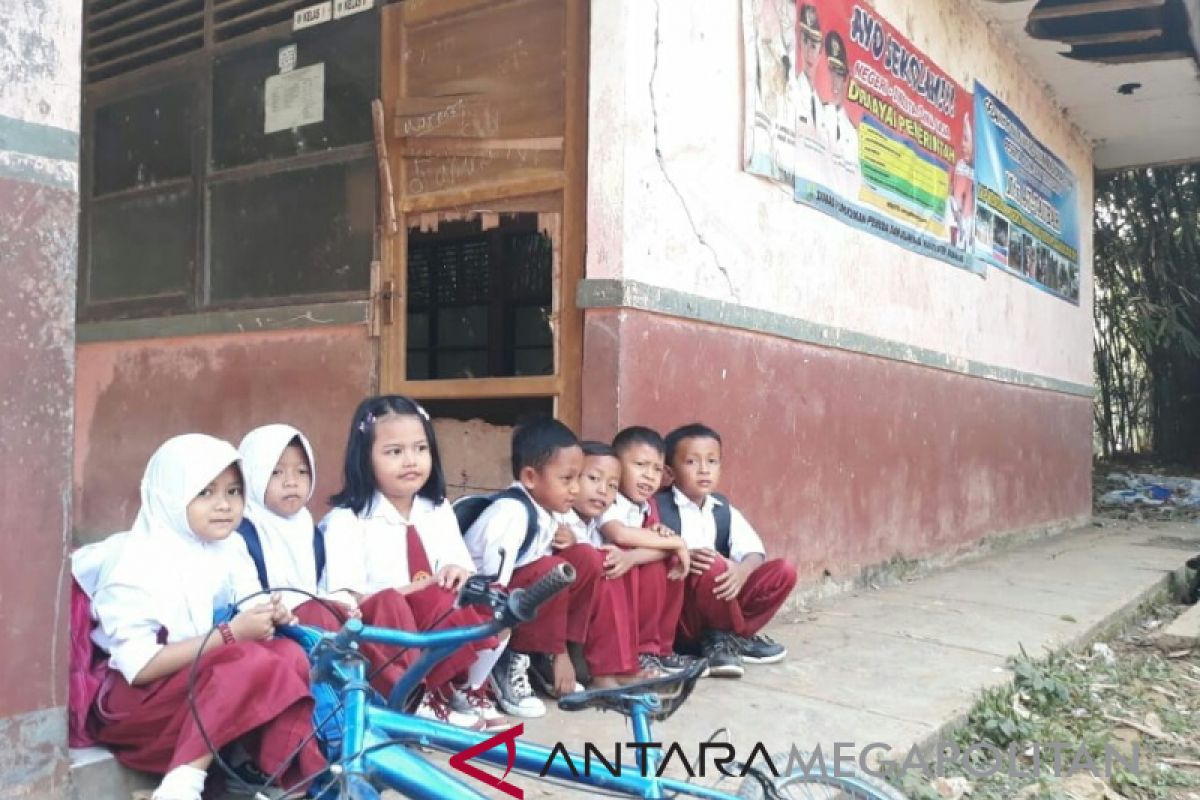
x=469 y=508
x=254 y=545
x=668 y=512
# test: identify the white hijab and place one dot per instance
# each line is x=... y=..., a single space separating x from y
x=160 y=573
x=287 y=542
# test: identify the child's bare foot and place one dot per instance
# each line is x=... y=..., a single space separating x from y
x=564 y=674
x=606 y=681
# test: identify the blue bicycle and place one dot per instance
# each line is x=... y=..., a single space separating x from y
x=372 y=744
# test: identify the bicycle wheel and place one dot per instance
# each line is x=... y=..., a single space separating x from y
x=819 y=783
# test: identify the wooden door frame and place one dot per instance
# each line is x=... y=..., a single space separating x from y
x=389 y=292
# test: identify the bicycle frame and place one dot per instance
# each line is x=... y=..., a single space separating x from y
x=374 y=735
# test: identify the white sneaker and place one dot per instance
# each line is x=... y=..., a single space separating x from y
x=510 y=684
x=479 y=702
x=435 y=708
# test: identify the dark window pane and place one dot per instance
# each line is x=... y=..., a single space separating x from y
x=348 y=49
x=143 y=140
x=463 y=327
x=461 y=364
x=308 y=231
x=142 y=246
x=418 y=329
x=534 y=362
x=489 y=292
x=531 y=327
x=418 y=364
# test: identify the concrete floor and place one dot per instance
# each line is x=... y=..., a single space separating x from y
x=898 y=664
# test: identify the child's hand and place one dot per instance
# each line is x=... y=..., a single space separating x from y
x=280 y=613
x=661 y=530
x=728 y=585
x=702 y=559
x=451 y=577
x=563 y=537
x=681 y=565
x=564 y=675
x=345 y=601
x=417 y=586
x=254 y=624
x=617 y=561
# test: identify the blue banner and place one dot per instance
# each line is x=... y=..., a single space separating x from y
x=1026 y=204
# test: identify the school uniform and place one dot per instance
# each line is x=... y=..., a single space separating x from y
x=613 y=632
x=659 y=599
x=566 y=617
x=161 y=584
x=379 y=550
x=764 y=592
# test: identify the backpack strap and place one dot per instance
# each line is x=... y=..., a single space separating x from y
x=722 y=516
x=254 y=546
x=319 y=551
x=668 y=512
x=531 y=518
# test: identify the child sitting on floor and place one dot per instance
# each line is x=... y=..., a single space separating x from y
x=733 y=590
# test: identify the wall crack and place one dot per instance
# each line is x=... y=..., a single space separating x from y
x=662 y=163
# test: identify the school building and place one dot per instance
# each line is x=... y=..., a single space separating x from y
x=206 y=224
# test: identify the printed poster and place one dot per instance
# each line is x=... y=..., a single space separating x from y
x=854 y=120
x=1026 y=214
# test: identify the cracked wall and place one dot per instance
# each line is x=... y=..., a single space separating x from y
x=874 y=403
x=670 y=206
x=39 y=124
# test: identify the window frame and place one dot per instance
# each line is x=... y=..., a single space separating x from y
x=197 y=69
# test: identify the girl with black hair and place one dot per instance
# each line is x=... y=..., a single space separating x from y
x=392 y=537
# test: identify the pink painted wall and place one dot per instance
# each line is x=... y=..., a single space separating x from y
x=131 y=396
x=37 y=238
x=840 y=460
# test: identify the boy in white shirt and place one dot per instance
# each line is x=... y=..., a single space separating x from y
x=653 y=550
x=733 y=591
x=547 y=462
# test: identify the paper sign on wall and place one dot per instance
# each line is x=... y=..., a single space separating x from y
x=313 y=15
x=295 y=98
x=344 y=8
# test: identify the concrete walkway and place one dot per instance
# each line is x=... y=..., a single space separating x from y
x=898 y=664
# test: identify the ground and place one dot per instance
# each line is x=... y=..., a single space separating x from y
x=1124 y=693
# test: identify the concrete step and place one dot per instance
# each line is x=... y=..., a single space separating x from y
x=1183 y=633
x=96 y=775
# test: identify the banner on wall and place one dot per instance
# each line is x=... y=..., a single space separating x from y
x=1026 y=212
x=852 y=118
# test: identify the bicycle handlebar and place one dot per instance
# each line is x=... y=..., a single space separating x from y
x=524 y=603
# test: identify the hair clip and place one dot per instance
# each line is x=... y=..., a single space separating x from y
x=421 y=410
x=367 y=422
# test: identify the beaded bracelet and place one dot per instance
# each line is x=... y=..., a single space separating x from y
x=226 y=633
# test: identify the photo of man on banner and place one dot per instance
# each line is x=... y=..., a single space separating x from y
x=841 y=135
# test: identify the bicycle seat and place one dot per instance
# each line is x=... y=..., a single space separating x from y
x=661 y=696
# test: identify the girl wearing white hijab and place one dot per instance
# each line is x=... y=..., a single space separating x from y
x=156 y=595
x=280 y=473
x=280 y=476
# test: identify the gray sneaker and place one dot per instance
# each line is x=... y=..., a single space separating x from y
x=724 y=659
x=510 y=685
x=760 y=649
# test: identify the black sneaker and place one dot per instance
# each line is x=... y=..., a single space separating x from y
x=760 y=649
x=675 y=663
x=724 y=659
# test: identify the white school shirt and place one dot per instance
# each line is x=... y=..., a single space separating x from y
x=700 y=527
x=503 y=525
x=368 y=553
x=626 y=512
x=586 y=531
x=841 y=137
